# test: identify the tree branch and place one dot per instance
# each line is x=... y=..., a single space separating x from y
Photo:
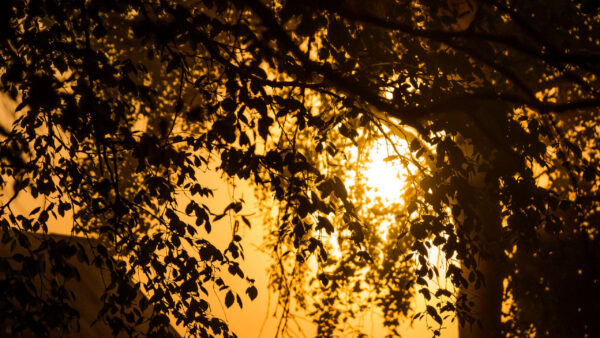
x=443 y=36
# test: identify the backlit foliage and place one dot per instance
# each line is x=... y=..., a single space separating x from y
x=122 y=103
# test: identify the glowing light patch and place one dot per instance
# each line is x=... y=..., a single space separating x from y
x=385 y=178
x=383 y=174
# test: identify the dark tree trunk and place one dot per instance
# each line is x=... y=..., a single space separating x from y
x=487 y=298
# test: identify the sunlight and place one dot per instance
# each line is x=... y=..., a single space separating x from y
x=382 y=172
x=385 y=174
x=385 y=177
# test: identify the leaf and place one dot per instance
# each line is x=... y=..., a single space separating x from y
x=60 y=64
x=229 y=299
x=323 y=278
x=418 y=230
x=433 y=313
x=247 y=222
x=443 y=292
x=364 y=255
x=228 y=105
x=340 y=188
x=252 y=292
x=263 y=126
x=425 y=293
x=324 y=223
x=35 y=210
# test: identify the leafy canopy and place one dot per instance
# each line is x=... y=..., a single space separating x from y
x=122 y=103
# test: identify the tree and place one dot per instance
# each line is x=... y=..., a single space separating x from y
x=482 y=92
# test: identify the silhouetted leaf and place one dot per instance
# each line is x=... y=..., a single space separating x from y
x=229 y=299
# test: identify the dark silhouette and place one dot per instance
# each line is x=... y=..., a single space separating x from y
x=84 y=280
x=121 y=102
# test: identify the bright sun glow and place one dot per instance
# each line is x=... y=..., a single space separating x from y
x=384 y=175
x=385 y=178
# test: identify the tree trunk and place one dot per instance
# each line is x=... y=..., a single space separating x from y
x=487 y=298
x=487 y=303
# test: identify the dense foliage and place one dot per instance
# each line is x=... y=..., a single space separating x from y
x=122 y=103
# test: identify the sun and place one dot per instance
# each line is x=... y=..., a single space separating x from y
x=384 y=175
x=382 y=168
